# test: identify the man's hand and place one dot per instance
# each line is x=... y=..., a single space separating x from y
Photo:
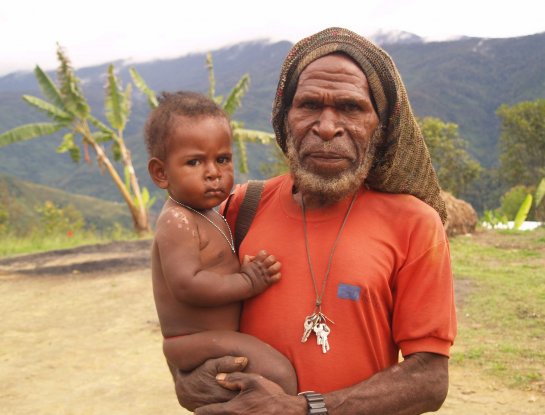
x=200 y=387
x=256 y=395
x=261 y=270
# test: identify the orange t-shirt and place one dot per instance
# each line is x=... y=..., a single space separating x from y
x=389 y=289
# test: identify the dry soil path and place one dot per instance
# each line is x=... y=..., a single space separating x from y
x=80 y=337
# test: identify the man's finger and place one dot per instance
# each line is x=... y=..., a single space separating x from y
x=228 y=364
x=238 y=380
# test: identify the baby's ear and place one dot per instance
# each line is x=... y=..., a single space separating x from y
x=156 y=169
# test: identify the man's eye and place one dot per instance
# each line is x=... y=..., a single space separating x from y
x=310 y=105
x=350 y=107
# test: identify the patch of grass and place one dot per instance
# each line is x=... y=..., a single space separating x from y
x=38 y=242
x=501 y=320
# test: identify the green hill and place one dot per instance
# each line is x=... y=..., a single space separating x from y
x=462 y=81
x=20 y=199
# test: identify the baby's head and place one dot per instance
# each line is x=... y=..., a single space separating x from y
x=188 y=138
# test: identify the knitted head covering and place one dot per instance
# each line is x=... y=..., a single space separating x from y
x=402 y=162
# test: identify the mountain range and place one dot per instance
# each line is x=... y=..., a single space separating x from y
x=462 y=81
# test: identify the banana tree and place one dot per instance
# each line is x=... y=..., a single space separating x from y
x=241 y=135
x=68 y=109
x=230 y=104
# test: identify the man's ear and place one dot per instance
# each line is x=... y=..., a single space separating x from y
x=156 y=169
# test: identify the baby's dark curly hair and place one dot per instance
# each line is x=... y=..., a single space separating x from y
x=171 y=104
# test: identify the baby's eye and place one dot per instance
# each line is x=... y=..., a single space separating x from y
x=193 y=162
x=224 y=159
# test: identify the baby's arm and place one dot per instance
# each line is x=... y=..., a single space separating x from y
x=190 y=281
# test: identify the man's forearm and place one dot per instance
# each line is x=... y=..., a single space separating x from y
x=418 y=384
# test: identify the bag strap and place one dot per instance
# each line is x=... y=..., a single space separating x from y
x=247 y=210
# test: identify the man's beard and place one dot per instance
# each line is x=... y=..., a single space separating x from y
x=329 y=189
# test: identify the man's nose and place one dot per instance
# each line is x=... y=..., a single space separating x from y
x=328 y=126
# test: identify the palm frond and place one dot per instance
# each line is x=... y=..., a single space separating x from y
x=115 y=104
x=52 y=111
x=71 y=93
x=242 y=155
x=143 y=87
x=68 y=145
x=28 y=132
x=253 y=136
x=234 y=98
x=101 y=136
x=48 y=87
x=100 y=125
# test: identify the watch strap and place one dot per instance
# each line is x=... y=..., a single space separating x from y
x=315 y=401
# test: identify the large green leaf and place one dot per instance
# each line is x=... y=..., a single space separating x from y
x=253 y=136
x=100 y=125
x=540 y=192
x=49 y=89
x=73 y=98
x=142 y=86
x=234 y=98
x=115 y=106
x=116 y=151
x=242 y=155
x=49 y=109
x=101 y=136
x=522 y=213
x=28 y=132
x=68 y=145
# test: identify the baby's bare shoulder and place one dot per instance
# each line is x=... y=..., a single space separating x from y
x=174 y=220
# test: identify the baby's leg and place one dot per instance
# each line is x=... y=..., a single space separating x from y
x=190 y=351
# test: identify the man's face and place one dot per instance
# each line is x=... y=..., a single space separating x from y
x=330 y=125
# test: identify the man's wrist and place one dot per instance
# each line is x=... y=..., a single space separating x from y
x=315 y=403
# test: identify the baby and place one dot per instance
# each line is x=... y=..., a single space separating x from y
x=198 y=282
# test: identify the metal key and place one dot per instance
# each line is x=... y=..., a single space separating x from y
x=318 y=328
x=310 y=322
x=323 y=335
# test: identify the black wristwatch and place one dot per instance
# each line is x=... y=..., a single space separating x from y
x=316 y=404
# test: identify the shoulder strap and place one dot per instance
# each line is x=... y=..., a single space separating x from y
x=247 y=210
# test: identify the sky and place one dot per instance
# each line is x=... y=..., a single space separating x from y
x=100 y=31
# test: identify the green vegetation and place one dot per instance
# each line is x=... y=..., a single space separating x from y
x=68 y=109
x=39 y=218
x=500 y=282
x=454 y=165
x=37 y=241
x=522 y=142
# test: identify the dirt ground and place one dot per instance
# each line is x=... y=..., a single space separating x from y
x=79 y=335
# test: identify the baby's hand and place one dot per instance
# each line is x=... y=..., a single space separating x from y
x=262 y=271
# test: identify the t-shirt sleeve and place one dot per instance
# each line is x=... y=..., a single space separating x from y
x=424 y=316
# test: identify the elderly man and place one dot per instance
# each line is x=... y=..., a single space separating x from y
x=358 y=226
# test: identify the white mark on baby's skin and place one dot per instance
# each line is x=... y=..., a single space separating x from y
x=179 y=220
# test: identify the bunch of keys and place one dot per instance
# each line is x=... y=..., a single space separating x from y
x=316 y=323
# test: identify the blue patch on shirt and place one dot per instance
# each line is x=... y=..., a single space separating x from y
x=348 y=292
